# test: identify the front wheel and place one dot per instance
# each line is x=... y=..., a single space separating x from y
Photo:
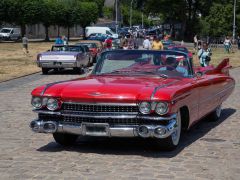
x=65 y=139
x=216 y=114
x=172 y=141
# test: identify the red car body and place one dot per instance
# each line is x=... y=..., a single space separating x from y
x=194 y=97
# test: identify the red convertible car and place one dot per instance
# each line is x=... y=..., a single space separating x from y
x=133 y=93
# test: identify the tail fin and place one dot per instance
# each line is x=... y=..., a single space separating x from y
x=223 y=67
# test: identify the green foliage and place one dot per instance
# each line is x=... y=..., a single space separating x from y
x=219 y=19
x=136 y=16
x=85 y=13
x=108 y=12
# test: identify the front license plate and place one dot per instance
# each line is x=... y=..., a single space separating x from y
x=95 y=129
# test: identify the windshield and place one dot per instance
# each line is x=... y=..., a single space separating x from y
x=5 y=30
x=183 y=49
x=67 y=48
x=143 y=62
x=89 y=45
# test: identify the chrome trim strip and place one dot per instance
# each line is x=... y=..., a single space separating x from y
x=115 y=131
x=47 y=112
x=109 y=115
x=94 y=113
x=97 y=103
x=159 y=87
x=51 y=84
x=101 y=116
x=219 y=93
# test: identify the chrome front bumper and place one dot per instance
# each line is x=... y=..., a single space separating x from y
x=104 y=129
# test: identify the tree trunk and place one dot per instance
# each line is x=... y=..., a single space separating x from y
x=68 y=33
x=46 y=33
x=84 y=32
x=23 y=29
x=58 y=31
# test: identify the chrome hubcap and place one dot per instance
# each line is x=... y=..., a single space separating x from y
x=176 y=134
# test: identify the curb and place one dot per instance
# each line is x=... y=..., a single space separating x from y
x=19 y=77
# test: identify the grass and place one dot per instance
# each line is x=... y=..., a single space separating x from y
x=14 y=63
x=218 y=54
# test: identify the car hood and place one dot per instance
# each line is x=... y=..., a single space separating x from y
x=108 y=89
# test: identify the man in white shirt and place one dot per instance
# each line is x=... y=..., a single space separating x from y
x=146 y=43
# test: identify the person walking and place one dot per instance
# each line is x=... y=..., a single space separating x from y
x=25 y=44
x=227 y=44
x=58 y=41
x=146 y=43
x=108 y=44
x=238 y=42
x=157 y=44
x=130 y=42
x=123 y=41
x=65 y=40
x=204 y=55
x=195 y=41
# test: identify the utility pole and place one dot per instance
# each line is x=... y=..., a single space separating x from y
x=116 y=19
x=131 y=13
x=234 y=21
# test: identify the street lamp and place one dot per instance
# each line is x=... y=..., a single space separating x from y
x=131 y=13
x=234 y=21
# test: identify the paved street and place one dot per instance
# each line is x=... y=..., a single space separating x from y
x=209 y=151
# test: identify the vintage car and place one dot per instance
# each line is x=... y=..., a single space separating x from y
x=133 y=93
x=93 y=48
x=61 y=56
x=180 y=48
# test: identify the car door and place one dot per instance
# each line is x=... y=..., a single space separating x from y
x=203 y=84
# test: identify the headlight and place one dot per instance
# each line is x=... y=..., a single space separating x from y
x=52 y=104
x=145 y=107
x=36 y=102
x=161 y=108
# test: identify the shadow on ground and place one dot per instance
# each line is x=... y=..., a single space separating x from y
x=141 y=147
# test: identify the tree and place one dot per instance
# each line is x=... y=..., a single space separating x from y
x=4 y=11
x=85 y=13
x=220 y=19
x=23 y=12
x=50 y=14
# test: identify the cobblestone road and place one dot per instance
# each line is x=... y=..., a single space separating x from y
x=208 y=151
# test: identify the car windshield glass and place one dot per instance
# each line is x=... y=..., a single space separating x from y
x=89 y=45
x=183 y=49
x=5 y=30
x=142 y=62
x=67 y=48
x=73 y=48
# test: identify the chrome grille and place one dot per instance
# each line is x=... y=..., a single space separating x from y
x=112 y=121
x=99 y=107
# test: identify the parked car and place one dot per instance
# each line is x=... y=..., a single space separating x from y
x=133 y=93
x=13 y=34
x=180 y=48
x=167 y=43
x=103 y=30
x=94 y=47
x=98 y=37
x=61 y=56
